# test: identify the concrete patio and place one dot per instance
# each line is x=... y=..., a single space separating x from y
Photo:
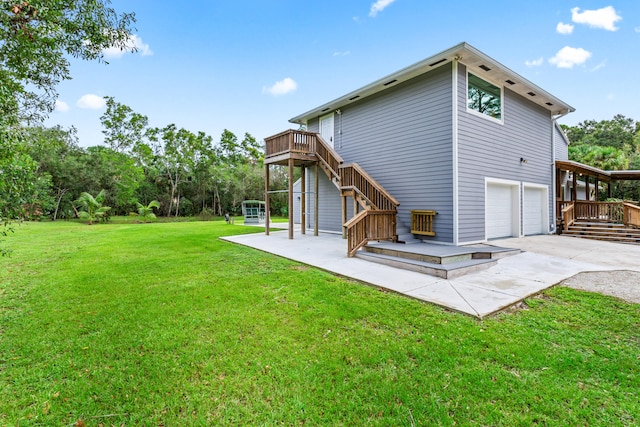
x=544 y=262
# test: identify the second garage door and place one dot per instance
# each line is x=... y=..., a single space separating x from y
x=533 y=211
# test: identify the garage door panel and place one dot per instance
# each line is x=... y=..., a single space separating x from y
x=533 y=211
x=499 y=211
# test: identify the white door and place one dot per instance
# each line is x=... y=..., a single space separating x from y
x=533 y=211
x=499 y=211
x=326 y=128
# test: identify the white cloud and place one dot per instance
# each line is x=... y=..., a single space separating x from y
x=345 y=53
x=637 y=29
x=379 y=6
x=534 y=63
x=90 y=102
x=563 y=28
x=61 y=106
x=282 y=87
x=133 y=42
x=567 y=57
x=604 y=18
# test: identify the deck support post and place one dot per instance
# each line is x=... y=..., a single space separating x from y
x=290 y=209
x=267 y=215
x=609 y=189
x=574 y=190
x=315 y=199
x=597 y=187
x=587 y=193
x=343 y=212
x=303 y=205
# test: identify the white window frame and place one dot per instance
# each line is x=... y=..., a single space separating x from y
x=478 y=113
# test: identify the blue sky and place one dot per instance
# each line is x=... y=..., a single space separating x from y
x=249 y=66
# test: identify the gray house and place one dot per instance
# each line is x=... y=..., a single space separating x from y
x=458 y=147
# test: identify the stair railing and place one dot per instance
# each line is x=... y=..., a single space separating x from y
x=568 y=216
x=369 y=225
x=329 y=158
x=631 y=214
x=352 y=176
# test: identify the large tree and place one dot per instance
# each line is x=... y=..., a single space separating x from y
x=123 y=128
x=37 y=38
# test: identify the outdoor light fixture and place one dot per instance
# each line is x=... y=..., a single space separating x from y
x=523 y=160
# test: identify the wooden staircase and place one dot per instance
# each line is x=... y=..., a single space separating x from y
x=376 y=221
x=612 y=232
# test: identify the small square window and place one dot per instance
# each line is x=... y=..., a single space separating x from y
x=484 y=97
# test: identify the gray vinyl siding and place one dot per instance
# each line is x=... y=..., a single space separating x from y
x=562 y=146
x=403 y=139
x=487 y=148
x=329 y=203
x=297 y=186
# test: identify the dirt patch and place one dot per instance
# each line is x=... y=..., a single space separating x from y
x=623 y=284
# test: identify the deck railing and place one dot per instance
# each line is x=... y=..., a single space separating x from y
x=599 y=211
x=290 y=141
x=370 y=225
x=422 y=222
x=620 y=212
x=352 y=176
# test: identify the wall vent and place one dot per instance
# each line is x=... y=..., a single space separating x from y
x=355 y=97
x=511 y=82
x=390 y=82
x=484 y=67
x=438 y=62
x=549 y=104
x=531 y=94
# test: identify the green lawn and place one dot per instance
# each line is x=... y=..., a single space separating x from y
x=166 y=325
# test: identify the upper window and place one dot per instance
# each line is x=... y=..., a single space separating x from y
x=484 y=97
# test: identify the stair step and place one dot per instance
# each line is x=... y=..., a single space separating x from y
x=604 y=231
x=609 y=238
x=445 y=271
x=608 y=225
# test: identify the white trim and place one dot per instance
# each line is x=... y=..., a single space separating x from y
x=545 y=204
x=554 y=179
x=471 y=242
x=516 y=215
x=477 y=113
x=454 y=149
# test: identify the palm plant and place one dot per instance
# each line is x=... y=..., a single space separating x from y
x=92 y=208
x=146 y=212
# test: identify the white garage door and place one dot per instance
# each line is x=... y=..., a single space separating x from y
x=533 y=211
x=499 y=211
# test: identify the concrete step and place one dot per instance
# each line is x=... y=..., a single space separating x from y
x=404 y=234
x=447 y=270
x=437 y=260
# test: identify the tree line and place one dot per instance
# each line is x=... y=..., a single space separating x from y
x=608 y=145
x=186 y=172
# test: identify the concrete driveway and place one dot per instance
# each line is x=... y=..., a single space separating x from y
x=608 y=255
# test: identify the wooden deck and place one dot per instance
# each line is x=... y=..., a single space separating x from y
x=613 y=221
